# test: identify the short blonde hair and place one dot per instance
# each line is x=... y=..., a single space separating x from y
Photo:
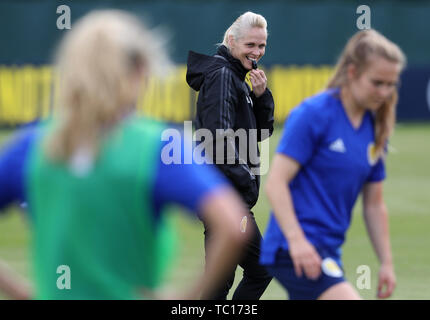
x=96 y=64
x=242 y=24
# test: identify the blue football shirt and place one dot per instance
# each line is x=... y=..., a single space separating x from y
x=182 y=184
x=336 y=161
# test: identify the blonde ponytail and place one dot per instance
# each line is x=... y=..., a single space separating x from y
x=358 y=51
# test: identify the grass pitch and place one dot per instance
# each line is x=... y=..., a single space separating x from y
x=406 y=192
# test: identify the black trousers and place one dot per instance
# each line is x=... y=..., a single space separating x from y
x=255 y=277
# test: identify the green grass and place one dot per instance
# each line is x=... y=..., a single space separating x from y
x=407 y=195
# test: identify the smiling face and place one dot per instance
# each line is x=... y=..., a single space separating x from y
x=251 y=46
x=376 y=84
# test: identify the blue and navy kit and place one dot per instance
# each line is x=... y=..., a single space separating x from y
x=336 y=161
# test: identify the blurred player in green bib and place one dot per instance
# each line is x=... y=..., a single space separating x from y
x=94 y=179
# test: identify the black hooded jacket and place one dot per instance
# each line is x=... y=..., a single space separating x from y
x=225 y=101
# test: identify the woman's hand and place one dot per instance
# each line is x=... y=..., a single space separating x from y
x=376 y=218
x=258 y=81
x=305 y=258
x=387 y=281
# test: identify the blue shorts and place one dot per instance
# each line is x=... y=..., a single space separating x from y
x=303 y=288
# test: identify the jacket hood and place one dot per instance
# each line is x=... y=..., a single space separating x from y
x=199 y=64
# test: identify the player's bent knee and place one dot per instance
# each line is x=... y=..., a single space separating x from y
x=340 y=291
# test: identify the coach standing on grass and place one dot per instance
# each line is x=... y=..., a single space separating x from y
x=227 y=104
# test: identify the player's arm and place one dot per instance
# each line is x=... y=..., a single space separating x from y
x=217 y=114
x=12 y=159
x=222 y=211
x=376 y=219
x=303 y=253
x=208 y=195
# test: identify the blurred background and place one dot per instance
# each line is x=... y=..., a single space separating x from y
x=305 y=39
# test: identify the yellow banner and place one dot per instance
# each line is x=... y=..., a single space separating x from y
x=26 y=92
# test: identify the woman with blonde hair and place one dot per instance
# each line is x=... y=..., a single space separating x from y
x=225 y=105
x=332 y=148
x=94 y=179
